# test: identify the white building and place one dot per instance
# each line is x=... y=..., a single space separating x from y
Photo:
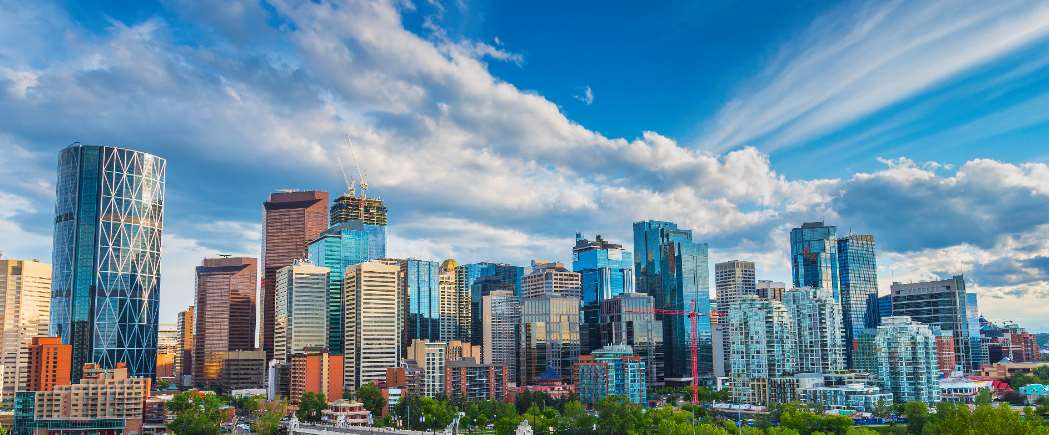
x=372 y=333
x=300 y=318
x=25 y=304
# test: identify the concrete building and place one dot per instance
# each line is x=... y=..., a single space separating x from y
x=732 y=280
x=763 y=350
x=820 y=336
x=766 y=289
x=49 y=364
x=243 y=369
x=25 y=301
x=939 y=303
x=353 y=207
x=224 y=315
x=431 y=358
x=906 y=360
x=549 y=278
x=372 y=294
x=549 y=338
x=455 y=323
x=501 y=312
x=467 y=381
x=480 y=280
x=105 y=400
x=291 y=219
x=301 y=316
x=853 y=396
x=946 y=355
x=316 y=371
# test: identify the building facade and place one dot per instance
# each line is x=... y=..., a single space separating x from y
x=291 y=219
x=629 y=319
x=480 y=279
x=315 y=371
x=763 y=350
x=225 y=315
x=467 y=381
x=611 y=371
x=605 y=271
x=422 y=300
x=167 y=350
x=184 y=362
x=243 y=369
x=906 y=360
x=858 y=283
x=501 y=312
x=49 y=364
x=25 y=307
x=371 y=293
x=430 y=357
x=818 y=329
x=353 y=207
x=814 y=257
x=732 y=280
x=300 y=309
x=549 y=339
x=455 y=306
x=109 y=216
x=104 y=401
x=766 y=289
x=943 y=304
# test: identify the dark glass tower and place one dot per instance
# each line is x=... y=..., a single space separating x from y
x=858 y=275
x=480 y=280
x=814 y=257
x=109 y=215
x=605 y=271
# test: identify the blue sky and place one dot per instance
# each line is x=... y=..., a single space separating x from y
x=496 y=130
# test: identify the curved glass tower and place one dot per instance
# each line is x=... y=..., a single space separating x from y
x=109 y=215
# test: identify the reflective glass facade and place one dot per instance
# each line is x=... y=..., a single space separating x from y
x=343 y=245
x=549 y=339
x=972 y=314
x=605 y=271
x=814 y=257
x=943 y=304
x=481 y=279
x=109 y=215
x=423 y=304
x=858 y=275
x=628 y=319
x=905 y=360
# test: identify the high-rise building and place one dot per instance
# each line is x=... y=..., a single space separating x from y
x=167 y=350
x=763 y=349
x=225 y=315
x=481 y=279
x=884 y=308
x=371 y=293
x=49 y=364
x=939 y=303
x=814 y=257
x=291 y=219
x=605 y=271
x=340 y=246
x=109 y=215
x=352 y=207
x=422 y=304
x=818 y=329
x=629 y=319
x=455 y=323
x=611 y=371
x=674 y=269
x=906 y=360
x=549 y=339
x=858 y=283
x=767 y=289
x=550 y=279
x=976 y=346
x=501 y=312
x=184 y=363
x=300 y=319
x=430 y=357
x=732 y=280
x=25 y=302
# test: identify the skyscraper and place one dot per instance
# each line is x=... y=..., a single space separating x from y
x=501 y=312
x=906 y=360
x=25 y=302
x=371 y=294
x=674 y=269
x=455 y=323
x=972 y=319
x=422 y=294
x=818 y=330
x=338 y=247
x=941 y=303
x=291 y=219
x=109 y=216
x=763 y=349
x=300 y=319
x=814 y=257
x=549 y=338
x=548 y=278
x=349 y=207
x=225 y=314
x=483 y=278
x=605 y=271
x=629 y=319
x=858 y=275
x=732 y=280
x=184 y=362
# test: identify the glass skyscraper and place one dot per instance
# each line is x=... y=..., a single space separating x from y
x=858 y=276
x=109 y=216
x=972 y=314
x=423 y=300
x=674 y=269
x=606 y=271
x=481 y=279
x=814 y=257
x=342 y=245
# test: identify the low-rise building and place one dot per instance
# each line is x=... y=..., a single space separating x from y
x=1004 y=370
x=1033 y=392
x=315 y=371
x=345 y=412
x=611 y=371
x=963 y=390
x=105 y=401
x=467 y=380
x=243 y=369
x=857 y=396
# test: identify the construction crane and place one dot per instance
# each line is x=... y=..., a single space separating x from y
x=361 y=181
x=693 y=317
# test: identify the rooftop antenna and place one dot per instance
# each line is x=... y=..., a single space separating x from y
x=225 y=255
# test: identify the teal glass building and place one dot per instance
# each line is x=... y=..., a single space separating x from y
x=858 y=284
x=814 y=257
x=605 y=271
x=423 y=301
x=109 y=216
x=342 y=245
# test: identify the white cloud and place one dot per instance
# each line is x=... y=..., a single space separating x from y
x=587 y=97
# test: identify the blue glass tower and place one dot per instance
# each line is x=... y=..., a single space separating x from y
x=423 y=304
x=482 y=279
x=858 y=275
x=342 y=245
x=972 y=314
x=814 y=257
x=606 y=271
x=109 y=215
x=675 y=270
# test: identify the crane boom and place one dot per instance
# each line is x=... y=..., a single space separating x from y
x=356 y=163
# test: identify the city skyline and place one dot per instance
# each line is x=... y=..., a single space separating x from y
x=564 y=161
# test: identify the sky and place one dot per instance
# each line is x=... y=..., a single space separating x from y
x=496 y=130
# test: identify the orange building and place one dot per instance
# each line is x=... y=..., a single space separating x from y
x=49 y=363
x=316 y=372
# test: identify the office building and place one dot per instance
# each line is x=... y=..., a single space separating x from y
x=291 y=219
x=976 y=345
x=430 y=357
x=316 y=371
x=49 y=364
x=242 y=370
x=629 y=319
x=167 y=351
x=818 y=329
x=481 y=279
x=224 y=315
x=371 y=291
x=1011 y=341
x=467 y=381
x=549 y=278
x=549 y=339
x=104 y=401
x=25 y=303
x=763 y=350
x=301 y=304
x=939 y=303
x=454 y=322
x=674 y=269
x=501 y=312
x=462 y=350
x=766 y=289
x=732 y=280
x=184 y=362
x=352 y=207
x=340 y=246
x=884 y=308
x=814 y=257
x=422 y=300
x=605 y=271
x=906 y=360
x=610 y=371
x=858 y=283
x=109 y=216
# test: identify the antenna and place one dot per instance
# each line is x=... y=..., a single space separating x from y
x=225 y=255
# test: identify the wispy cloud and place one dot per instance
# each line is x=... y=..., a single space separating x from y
x=587 y=97
x=862 y=59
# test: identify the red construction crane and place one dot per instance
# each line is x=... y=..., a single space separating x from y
x=693 y=316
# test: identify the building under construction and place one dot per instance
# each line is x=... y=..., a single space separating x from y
x=349 y=206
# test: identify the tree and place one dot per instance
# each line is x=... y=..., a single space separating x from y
x=270 y=414
x=882 y=409
x=310 y=407
x=1043 y=405
x=983 y=397
x=917 y=413
x=370 y=395
x=247 y=405
x=196 y=413
x=617 y=415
